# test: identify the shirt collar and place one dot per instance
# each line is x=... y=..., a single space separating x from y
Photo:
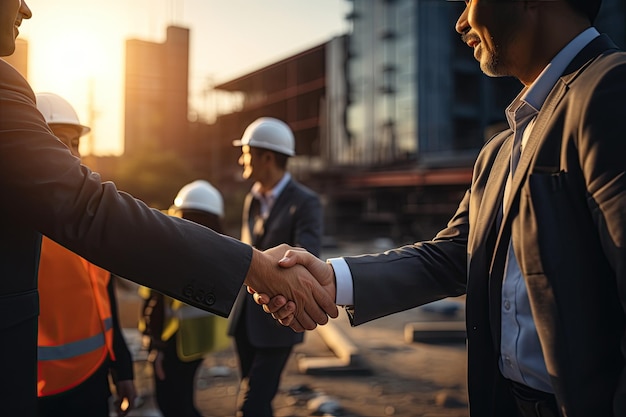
x=274 y=192
x=535 y=95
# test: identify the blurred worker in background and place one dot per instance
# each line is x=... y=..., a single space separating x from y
x=276 y=210
x=179 y=334
x=80 y=341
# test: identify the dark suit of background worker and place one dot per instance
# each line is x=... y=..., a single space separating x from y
x=80 y=342
x=47 y=191
x=540 y=253
x=277 y=210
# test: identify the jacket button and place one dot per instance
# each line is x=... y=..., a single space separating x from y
x=209 y=299
x=188 y=291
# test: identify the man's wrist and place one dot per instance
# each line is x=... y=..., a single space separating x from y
x=256 y=264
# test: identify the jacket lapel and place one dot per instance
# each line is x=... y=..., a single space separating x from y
x=488 y=222
x=493 y=192
x=543 y=118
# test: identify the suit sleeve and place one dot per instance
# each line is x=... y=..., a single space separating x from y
x=601 y=150
x=412 y=275
x=51 y=192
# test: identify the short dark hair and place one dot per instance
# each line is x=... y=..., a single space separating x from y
x=589 y=8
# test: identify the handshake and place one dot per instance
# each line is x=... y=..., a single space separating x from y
x=296 y=287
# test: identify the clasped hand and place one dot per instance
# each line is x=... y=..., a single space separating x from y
x=306 y=297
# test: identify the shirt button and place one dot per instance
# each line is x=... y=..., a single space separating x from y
x=507 y=361
x=507 y=305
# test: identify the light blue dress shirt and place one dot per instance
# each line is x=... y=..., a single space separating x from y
x=521 y=357
x=268 y=199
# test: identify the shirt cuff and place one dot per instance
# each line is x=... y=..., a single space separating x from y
x=343 y=282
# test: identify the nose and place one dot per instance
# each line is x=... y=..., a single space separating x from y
x=25 y=10
x=240 y=161
x=462 y=25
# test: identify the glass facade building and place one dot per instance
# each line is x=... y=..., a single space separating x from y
x=415 y=92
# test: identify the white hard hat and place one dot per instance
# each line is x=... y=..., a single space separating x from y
x=200 y=195
x=268 y=133
x=56 y=110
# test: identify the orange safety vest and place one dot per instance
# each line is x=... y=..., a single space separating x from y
x=75 y=324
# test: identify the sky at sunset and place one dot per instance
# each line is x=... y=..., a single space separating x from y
x=76 y=47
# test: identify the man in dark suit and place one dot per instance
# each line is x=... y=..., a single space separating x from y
x=47 y=191
x=277 y=210
x=538 y=242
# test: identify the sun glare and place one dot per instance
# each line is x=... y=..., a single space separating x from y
x=77 y=47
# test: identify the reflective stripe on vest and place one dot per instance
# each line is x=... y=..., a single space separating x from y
x=70 y=350
x=75 y=322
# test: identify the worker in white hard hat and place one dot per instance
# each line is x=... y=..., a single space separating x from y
x=277 y=210
x=80 y=342
x=180 y=335
x=62 y=119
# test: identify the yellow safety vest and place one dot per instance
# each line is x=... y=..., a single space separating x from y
x=75 y=324
x=198 y=332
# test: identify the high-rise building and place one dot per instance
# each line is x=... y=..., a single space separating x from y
x=156 y=94
x=416 y=94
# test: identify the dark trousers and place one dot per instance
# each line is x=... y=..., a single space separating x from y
x=534 y=403
x=175 y=394
x=262 y=368
x=91 y=398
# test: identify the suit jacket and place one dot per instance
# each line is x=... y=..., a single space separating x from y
x=47 y=191
x=566 y=217
x=295 y=219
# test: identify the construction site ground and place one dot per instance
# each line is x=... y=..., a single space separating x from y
x=410 y=364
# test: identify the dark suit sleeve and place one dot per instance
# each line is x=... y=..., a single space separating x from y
x=570 y=235
x=412 y=275
x=602 y=154
x=51 y=192
x=600 y=150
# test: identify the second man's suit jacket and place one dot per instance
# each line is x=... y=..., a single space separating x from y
x=566 y=218
x=295 y=219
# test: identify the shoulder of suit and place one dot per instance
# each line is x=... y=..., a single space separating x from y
x=13 y=85
x=300 y=188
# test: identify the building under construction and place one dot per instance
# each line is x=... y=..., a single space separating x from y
x=388 y=118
